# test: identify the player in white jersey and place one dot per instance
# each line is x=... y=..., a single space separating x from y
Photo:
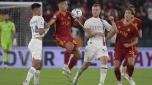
x=96 y=47
x=35 y=45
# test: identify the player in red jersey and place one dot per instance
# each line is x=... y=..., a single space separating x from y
x=63 y=21
x=125 y=47
x=138 y=24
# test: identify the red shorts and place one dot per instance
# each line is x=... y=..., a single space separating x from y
x=121 y=54
x=62 y=41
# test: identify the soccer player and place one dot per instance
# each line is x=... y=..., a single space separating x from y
x=35 y=45
x=137 y=22
x=8 y=37
x=63 y=21
x=96 y=46
x=125 y=47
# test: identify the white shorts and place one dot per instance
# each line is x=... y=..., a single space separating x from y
x=95 y=52
x=35 y=47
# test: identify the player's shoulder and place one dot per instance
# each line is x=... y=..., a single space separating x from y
x=137 y=20
x=57 y=13
x=11 y=23
x=37 y=18
x=119 y=21
x=89 y=19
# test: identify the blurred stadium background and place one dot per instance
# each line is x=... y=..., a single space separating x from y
x=20 y=14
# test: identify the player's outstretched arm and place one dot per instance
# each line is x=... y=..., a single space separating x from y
x=113 y=30
x=51 y=22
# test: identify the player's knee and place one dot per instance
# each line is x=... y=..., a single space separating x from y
x=77 y=52
x=104 y=60
x=37 y=65
x=69 y=46
x=131 y=61
x=116 y=64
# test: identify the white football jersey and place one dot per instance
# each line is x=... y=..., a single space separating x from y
x=97 y=25
x=35 y=23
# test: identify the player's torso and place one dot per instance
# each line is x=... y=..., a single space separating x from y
x=125 y=33
x=34 y=26
x=96 y=25
x=6 y=29
x=63 y=24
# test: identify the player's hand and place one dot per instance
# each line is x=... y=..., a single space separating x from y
x=111 y=18
x=88 y=31
x=126 y=45
x=14 y=42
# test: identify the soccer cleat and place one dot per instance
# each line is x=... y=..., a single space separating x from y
x=119 y=83
x=126 y=76
x=25 y=83
x=101 y=83
x=67 y=73
x=132 y=82
x=75 y=81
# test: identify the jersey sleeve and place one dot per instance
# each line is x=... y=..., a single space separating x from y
x=136 y=33
x=106 y=25
x=87 y=24
x=56 y=15
x=13 y=27
x=40 y=22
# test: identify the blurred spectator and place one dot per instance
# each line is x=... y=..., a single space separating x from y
x=47 y=12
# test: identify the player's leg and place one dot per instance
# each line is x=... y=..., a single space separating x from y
x=75 y=58
x=7 y=47
x=35 y=47
x=119 y=57
x=130 y=69
x=103 y=69
x=37 y=64
x=117 y=64
x=66 y=70
x=33 y=71
x=5 y=51
x=84 y=66
x=69 y=47
x=123 y=68
x=90 y=51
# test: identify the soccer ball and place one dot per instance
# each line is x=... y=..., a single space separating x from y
x=76 y=13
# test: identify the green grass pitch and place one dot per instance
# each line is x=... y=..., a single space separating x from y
x=55 y=77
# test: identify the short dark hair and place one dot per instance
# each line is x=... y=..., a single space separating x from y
x=96 y=5
x=35 y=5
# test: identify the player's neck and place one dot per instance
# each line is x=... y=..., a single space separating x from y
x=96 y=16
x=34 y=14
x=127 y=21
x=63 y=12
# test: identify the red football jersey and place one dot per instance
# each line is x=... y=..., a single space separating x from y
x=137 y=23
x=63 y=24
x=126 y=33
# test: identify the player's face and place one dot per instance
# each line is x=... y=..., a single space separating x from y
x=63 y=6
x=96 y=11
x=38 y=11
x=128 y=15
x=6 y=17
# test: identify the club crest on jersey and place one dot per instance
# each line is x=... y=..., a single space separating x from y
x=128 y=30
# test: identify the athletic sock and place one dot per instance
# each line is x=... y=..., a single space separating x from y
x=5 y=57
x=73 y=62
x=30 y=74
x=67 y=55
x=36 y=77
x=117 y=74
x=103 y=73
x=130 y=70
